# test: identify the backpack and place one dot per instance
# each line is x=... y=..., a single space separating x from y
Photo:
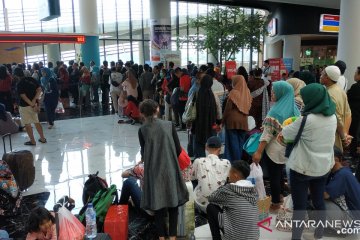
x=92 y=186
x=10 y=195
x=101 y=202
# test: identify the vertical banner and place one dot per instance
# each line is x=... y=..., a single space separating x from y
x=278 y=68
x=160 y=36
x=288 y=62
x=230 y=69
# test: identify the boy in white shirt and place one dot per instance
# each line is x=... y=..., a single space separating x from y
x=211 y=172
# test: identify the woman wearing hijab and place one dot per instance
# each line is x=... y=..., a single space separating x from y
x=235 y=118
x=259 y=90
x=297 y=84
x=313 y=157
x=206 y=113
x=51 y=95
x=274 y=155
x=164 y=189
x=85 y=84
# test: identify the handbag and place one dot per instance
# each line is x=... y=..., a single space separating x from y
x=190 y=110
x=60 y=108
x=252 y=143
x=290 y=146
x=184 y=160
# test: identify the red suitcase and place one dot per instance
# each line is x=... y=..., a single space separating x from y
x=116 y=222
x=21 y=164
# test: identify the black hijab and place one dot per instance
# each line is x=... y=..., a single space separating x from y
x=205 y=110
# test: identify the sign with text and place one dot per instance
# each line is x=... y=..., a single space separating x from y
x=329 y=23
x=230 y=69
x=277 y=68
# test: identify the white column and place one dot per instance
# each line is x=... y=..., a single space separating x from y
x=292 y=49
x=160 y=9
x=53 y=53
x=349 y=37
x=273 y=50
x=88 y=17
x=212 y=59
x=89 y=26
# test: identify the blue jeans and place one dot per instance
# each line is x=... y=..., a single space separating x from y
x=299 y=189
x=130 y=189
x=234 y=142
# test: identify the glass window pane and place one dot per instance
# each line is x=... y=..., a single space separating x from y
x=123 y=18
x=136 y=19
x=124 y=50
x=136 y=52
x=67 y=52
x=34 y=53
x=66 y=18
x=146 y=16
x=15 y=18
x=50 y=26
x=111 y=50
x=109 y=16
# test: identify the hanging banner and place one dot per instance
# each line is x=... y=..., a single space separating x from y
x=167 y=56
x=160 y=36
x=230 y=69
x=277 y=68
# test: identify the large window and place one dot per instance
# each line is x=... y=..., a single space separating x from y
x=124 y=29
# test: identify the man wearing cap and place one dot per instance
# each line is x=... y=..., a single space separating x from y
x=329 y=78
x=211 y=172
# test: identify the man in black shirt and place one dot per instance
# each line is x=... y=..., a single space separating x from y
x=30 y=91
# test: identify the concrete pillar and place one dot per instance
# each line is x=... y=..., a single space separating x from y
x=292 y=49
x=89 y=26
x=160 y=28
x=53 y=53
x=273 y=50
x=349 y=37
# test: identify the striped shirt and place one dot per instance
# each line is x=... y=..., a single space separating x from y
x=240 y=212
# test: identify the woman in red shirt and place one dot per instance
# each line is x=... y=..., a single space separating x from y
x=85 y=81
x=5 y=89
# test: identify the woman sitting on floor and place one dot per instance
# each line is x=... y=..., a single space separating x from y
x=7 y=123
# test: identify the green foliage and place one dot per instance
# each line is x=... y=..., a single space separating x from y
x=225 y=30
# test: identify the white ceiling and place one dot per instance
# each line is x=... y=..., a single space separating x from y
x=318 y=3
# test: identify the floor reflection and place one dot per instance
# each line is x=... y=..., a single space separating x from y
x=77 y=147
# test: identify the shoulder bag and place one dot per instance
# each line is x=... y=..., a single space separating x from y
x=290 y=146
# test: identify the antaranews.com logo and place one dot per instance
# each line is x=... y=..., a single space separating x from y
x=343 y=227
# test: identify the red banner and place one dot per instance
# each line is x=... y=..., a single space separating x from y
x=230 y=69
x=277 y=68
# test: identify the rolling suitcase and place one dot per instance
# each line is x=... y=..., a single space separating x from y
x=21 y=164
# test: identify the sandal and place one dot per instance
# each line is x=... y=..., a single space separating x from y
x=29 y=143
x=42 y=140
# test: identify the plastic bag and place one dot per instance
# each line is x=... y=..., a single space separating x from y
x=256 y=176
x=60 y=108
x=69 y=226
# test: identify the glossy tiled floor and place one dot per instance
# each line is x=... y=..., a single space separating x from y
x=77 y=147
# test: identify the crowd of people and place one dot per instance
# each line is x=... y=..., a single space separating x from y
x=327 y=118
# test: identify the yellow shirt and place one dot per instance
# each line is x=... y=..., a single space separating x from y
x=339 y=97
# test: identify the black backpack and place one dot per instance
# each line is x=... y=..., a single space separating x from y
x=92 y=186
